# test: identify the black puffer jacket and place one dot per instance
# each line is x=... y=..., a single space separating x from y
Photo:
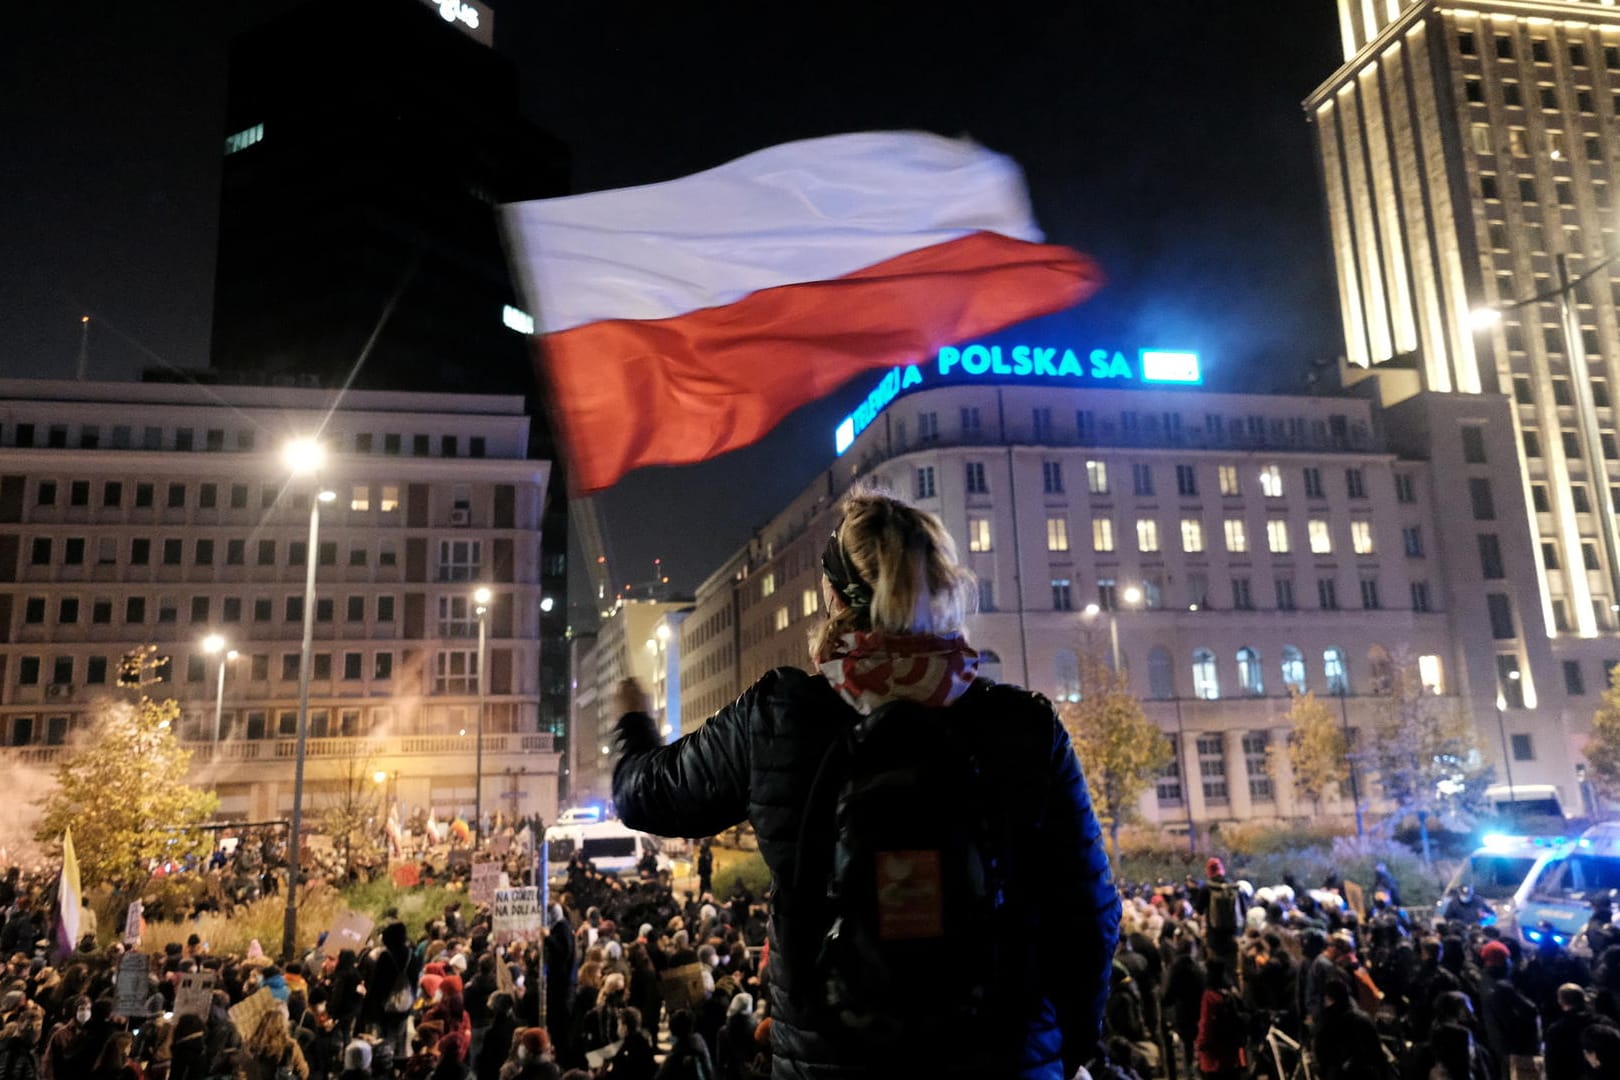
x=757 y=759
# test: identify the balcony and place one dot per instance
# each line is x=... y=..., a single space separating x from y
x=286 y=750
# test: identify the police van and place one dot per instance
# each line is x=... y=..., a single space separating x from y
x=1497 y=868
x=1554 y=902
x=611 y=846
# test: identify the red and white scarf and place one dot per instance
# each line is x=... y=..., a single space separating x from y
x=869 y=668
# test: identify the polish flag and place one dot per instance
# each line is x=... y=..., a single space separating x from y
x=685 y=319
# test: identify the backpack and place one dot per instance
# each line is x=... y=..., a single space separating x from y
x=1233 y=1015
x=916 y=887
x=1223 y=913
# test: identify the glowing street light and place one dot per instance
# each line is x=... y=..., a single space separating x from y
x=214 y=645
x=303 y=456
x=1483 y=318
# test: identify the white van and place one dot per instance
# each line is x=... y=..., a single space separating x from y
x=1556 y=897
x=611 y=846
x=1524 y=801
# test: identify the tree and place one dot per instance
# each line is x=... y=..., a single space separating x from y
x=1317 y=750
x=1425 y=750
x=1603 y=745
x=124 y=791
x=1121 y=750
x=353 y=815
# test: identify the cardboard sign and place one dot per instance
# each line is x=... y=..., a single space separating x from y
x=459 y=858
x=517 y=914
x=504 y=983
x=132 y=923
x=407 y=875
x=1356 y=897
x=348 y=932
x=910 y=895
x=195 y=994
x=133 y=988
x=486 y=878
x=682 y=987
x=247 y=1013
x=500 y=844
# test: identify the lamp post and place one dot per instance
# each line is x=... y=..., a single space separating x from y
x=1344 y=719
x=302 y=457
x=214 y=645
x=481 y=598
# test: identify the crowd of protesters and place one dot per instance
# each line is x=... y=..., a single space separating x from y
x=1217 y=979
x=591 y=994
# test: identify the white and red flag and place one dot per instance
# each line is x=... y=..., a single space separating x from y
x=687 y=318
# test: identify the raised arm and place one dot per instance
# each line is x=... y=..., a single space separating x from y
x=697 y=785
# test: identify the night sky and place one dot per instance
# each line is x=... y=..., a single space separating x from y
x=1164 y=139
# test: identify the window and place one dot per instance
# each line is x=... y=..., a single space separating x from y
x=383 y=666
x=1161 y=677
x=176 y=497
x=1293 y=669
x=971 y=425
x=1320 y=537
x=1271 y=484
x=1142 y=479
x=1361 y=537
x=1192 y=535
x=1420 y=596
x=809 y=602
x=1057 y=533
x=1523 y=748
x=1472 y=89
x=780 y=619
x=293 y=609
x=28 y=671
x=1578 y=496
x=1237 y=535
x=1186 y=480
x=1212 y=767
x=328 y=553
x=987 y=595
x=263 y=609
x=1355 y=484
x=1465 y=44
x=1107 y=594
x=457 y=617
x=1334 y=671
x=1052 y=477
x=460 y=560
x=975 y=479
x=1405 y=488
x=1097 y=477
x=1574 y=680
x=1277 y=536
x=297 y=551
x=1313 y=483
x=1102 y=534
x=387 y=553
x=978 y=534
x=421 y=445
x=79 y=493
x=1206 y=681
x=204 y=553
x=1369 y=594
x=1041 y=420
x=1242 y=595
x=1412 y=540
x=101 y=611
x=360 y=497
x=927 y=426
x=357 y=555
x=235 y=552
x=1482 y=139
x=1490 y=557
x=1062 y=594
x=1509 y=680
x=199 y=609
x=1532 y=444
x=1167 y=788
x=173 y=551
x=112 y=493
x=232 y=609
x=145 y=494
x=322 y=670
x=1327 y=594
x=1479 y=496
x=385 y=609
x=34 y=609
x=352 y=662
x=1285 y=593
x=1228 y=477
x=1251 y=680
x=40 y=551
x=925 y=482
x=45 y=494
x=1473 y=444
x=135 y=609
x=1257 y=763
x=1147 y=535
x=1501 y=614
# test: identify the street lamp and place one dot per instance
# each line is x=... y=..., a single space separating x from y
x=303 y=457
x=214 y=645
x=481 y=598
x=1344 y=721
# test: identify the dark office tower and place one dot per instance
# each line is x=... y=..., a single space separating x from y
x=368 y=145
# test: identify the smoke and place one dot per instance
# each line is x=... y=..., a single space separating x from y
x=26 y=788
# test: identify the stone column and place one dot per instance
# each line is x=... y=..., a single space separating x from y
x=1282 y=774
x=1237 y=776
x=1194 y=792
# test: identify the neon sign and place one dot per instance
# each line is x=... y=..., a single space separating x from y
x=995 y=362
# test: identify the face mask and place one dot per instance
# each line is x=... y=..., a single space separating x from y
x=83 y=1016
x=523 y=1053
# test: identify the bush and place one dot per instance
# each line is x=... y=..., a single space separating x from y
x=262 y=920
x=750 y=868
x=415 y=906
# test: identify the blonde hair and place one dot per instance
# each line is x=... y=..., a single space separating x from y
x=909 y=560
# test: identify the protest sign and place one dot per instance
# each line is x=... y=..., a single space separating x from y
x=132 y=923
x=194 y=994
x=682 y=986
x=486 y=878
x=132 y=984
x=459 y=858
x=247 y=1013
x=348 y=932
x=500 y=844
x=517 y=914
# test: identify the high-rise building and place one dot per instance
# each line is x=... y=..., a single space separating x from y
x=367 y=148
x=1468 y=155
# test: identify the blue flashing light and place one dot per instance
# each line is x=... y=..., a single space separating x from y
x=1488 y=918
x=1166 y=366
x=1496 y=841
x=1585 y=842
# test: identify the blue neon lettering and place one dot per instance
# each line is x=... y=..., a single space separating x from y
x=948 y=358
x=997 y=364
x=975 y=359
x=1020 y=360
x=1043 y=362
x=1070 y=365
x=912 y=377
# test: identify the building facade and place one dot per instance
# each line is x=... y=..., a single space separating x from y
x=144 y=513
x=1236 y=547
x=1468 y=157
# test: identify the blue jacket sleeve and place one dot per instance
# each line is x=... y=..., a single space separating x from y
x=697 y=785
x=1080 y=907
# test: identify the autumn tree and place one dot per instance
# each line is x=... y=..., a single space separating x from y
x=353 y=814
x=123 y=787
x=1317 y=750
x=1121 y=750
x=1425 y=750
x=1603 y=745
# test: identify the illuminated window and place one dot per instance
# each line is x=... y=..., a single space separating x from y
x=810 y=601
x=1102 y=534
x=1293 y=668
x=1057 y=534
x=1271 y=482
x=780 y=619
x=767 y=583
x=1321 y=538
x=360 y=497
x=1206 y=681
x=978 y=534
x=1097 y=477
x=388 y=502
x=1251 y=679
x=1229 y=480
x=1333 y=670
x=1277 y=536
x=1237 y=534
x=1432 y=674
x=243 y=139
x=1361 y=537
x=1192 y=534
x=1147 y=534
